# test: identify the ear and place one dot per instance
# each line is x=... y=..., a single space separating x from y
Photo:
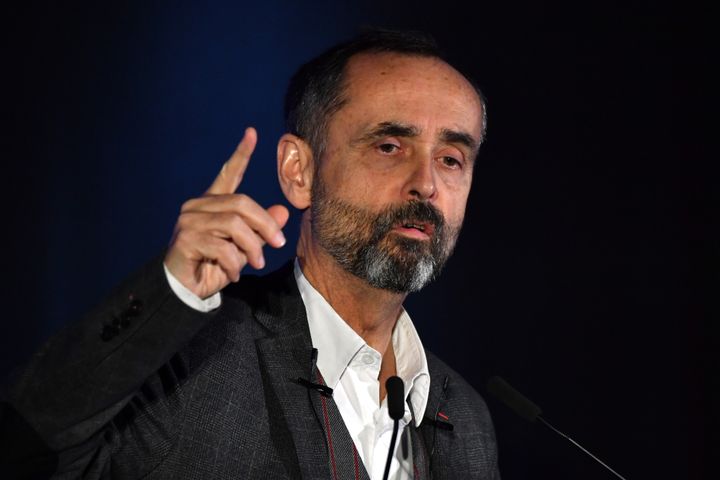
x=295 y=170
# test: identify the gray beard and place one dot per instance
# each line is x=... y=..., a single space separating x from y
x=362 y=243
x=382 y=271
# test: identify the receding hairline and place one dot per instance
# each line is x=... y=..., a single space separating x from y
x=432 y=58
x=468 y=83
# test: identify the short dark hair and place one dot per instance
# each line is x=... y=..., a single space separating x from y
x=316 y=90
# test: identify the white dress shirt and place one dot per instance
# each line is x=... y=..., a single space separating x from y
x=351 y=368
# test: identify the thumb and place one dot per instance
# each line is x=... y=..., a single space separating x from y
x=280 y=213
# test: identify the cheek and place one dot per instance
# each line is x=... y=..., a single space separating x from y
x=368 y=188
x=457 y=182
x=456 y=197
x=454 y=217
x=345 y=176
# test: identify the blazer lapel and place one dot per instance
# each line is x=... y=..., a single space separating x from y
x=295 y=408
x=431 y=438
x=285 y=354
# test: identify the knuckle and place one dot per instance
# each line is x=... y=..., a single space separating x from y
x=219 y=217
x=240 y=201
x=181 y=240
x=188 y=205
x=183 y=222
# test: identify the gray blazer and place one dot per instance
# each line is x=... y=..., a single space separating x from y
x=146 y=387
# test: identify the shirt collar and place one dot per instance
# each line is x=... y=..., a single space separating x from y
x=337 y=344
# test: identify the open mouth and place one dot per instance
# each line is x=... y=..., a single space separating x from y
x=416 y=229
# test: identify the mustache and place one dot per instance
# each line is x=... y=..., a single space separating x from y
x=413 y=211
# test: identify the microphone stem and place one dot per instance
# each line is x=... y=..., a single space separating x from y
x=392 y=449
x=544 y=422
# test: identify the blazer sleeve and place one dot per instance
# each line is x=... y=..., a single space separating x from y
x=85 y=374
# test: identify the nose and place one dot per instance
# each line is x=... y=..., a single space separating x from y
x=421 y=184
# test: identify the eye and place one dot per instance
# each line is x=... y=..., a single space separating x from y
x=451 y=162
x=388 y=148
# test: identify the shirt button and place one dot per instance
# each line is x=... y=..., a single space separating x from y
x=368 y=358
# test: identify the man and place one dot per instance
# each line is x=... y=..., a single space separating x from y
x=283 y=376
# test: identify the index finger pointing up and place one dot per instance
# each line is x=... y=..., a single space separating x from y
x=232 y=172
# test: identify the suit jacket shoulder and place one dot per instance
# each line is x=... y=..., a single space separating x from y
x=468 y=450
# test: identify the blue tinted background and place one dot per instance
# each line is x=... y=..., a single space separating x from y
x=577 y=276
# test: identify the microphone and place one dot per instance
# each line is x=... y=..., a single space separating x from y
x=395 y=389
x=517 y=402
x=395 y=397
x=321 y=388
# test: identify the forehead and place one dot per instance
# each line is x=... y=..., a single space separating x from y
x=424 y=91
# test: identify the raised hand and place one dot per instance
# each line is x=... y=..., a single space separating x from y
x=217 y=234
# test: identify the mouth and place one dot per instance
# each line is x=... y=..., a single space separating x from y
x=415 y=229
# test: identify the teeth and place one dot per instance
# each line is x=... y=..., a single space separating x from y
x=412 y=225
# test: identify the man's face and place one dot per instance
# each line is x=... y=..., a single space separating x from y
x=389 y=193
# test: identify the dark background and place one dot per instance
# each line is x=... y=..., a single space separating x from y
x=582 y=271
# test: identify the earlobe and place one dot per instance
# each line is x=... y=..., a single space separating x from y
x=295 y=170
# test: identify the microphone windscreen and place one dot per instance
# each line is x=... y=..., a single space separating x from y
x=513 y=399
x=395 y=397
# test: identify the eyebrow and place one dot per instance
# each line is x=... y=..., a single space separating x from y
x=397 y=129
x=390 y=129
x=463 y=138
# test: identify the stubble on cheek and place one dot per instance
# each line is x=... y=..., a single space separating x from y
x=339 y=228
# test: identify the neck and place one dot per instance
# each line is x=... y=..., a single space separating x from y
x=371 y=312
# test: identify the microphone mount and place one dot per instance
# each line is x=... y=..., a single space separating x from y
x=521 y=405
